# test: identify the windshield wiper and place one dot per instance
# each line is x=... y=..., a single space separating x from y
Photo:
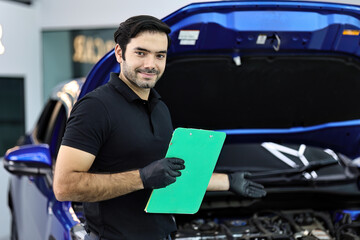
x=313 y=166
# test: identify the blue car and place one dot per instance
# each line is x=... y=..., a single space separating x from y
x=280 y=78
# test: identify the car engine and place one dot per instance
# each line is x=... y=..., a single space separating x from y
x=280 y=225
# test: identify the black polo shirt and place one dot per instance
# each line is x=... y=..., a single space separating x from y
x=125 y=133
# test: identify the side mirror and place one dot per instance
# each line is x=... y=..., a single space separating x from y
x=28 y=160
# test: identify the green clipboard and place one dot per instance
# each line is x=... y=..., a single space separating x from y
x=200 y=150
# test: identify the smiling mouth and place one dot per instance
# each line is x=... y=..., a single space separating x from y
x=147 y=74
x=148 y=71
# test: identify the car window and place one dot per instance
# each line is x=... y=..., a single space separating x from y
x=55 y=129
x=51 y=125
x=42 y=124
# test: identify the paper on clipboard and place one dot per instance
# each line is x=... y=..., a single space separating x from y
x=200 y=150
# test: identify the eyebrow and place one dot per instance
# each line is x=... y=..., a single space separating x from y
x=146 y=50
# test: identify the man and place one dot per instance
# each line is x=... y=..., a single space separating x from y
x=112 y=153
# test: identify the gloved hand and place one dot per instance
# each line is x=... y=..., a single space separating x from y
x=161 y=173
x=244 y=187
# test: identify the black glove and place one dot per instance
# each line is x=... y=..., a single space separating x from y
x=244 y=187
x=161 y=173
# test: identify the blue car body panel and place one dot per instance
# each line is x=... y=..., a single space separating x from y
x=230 y=28
x=37 y=212
x=302 y=25
x=23 y=154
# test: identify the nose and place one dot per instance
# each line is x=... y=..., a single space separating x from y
x=150 y=62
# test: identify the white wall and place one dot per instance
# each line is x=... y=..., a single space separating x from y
x=21 y=38
x=105 y=13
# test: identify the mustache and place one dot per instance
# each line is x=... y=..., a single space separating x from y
x=149 y=71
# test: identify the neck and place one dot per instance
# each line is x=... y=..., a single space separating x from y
x=143 y=93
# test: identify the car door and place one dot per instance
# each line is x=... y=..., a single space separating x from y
x=32 y=195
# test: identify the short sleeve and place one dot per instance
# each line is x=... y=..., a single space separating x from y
x=88 y=125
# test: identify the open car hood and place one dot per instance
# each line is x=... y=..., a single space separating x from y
x=238 y=26
x=250 y=46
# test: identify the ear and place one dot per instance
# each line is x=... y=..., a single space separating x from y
x=118 y=53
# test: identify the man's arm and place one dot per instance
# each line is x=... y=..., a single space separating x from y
x=237 y=183
x=218 y=182
x=72 y=182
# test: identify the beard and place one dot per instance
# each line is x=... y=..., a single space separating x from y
x=133 y=77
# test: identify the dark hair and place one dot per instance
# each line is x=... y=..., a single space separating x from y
x=137 y=24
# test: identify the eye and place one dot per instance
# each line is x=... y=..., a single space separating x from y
x=140 y=53
x=161 y=56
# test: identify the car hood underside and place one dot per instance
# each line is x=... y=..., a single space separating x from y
x=305 y=99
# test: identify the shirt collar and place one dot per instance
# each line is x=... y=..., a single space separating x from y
x=127 y=92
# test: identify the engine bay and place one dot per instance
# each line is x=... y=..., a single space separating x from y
x=280 y=225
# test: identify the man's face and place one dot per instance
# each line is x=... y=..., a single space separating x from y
x=145 y=59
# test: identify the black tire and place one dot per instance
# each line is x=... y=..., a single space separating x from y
x=13 y=232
